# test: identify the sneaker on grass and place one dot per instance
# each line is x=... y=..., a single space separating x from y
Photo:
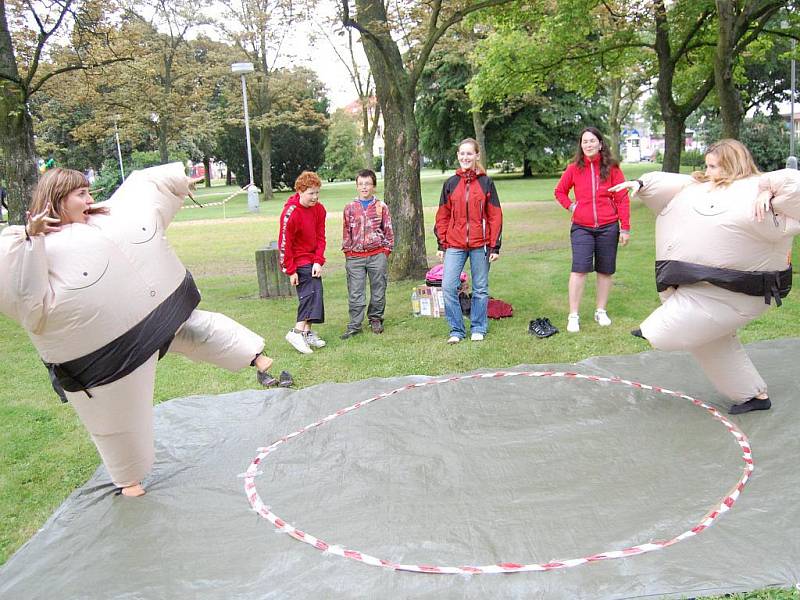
x=313 y=340
x=573 y=323
x=601 y=316
x=298 y=341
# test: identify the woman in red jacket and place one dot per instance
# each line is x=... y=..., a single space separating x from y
x=469 y=224
x=600 y=221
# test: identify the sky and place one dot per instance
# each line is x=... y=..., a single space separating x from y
x=310 y=48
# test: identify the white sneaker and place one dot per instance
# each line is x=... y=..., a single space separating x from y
x=313 y=340
x=573 y=323
x=298 y=340
x=601 y=317
x=477 y=337
x=453 y=339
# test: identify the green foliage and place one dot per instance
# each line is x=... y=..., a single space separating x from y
x=693 y=158
x=544 y=132
x=768 y=141
x=343 y=158
x=109 y=178
x=443 y=107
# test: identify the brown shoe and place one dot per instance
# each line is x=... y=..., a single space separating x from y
x=376 y=325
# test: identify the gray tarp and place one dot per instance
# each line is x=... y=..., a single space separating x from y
x=472 y=472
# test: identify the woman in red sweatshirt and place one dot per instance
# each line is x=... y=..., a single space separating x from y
x=600 y=221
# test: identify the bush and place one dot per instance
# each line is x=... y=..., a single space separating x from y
x=693 y=158
x=768 y=141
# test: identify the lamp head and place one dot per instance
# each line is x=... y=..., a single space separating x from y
x=242 y=68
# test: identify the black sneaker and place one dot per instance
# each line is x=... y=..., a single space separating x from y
x=549 y=327
x=349 y=333
x=542 y=328
x=376 y=325
x=265 y=379
x=752 y=404
x=285 y=380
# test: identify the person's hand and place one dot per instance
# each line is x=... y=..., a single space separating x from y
x=440 y=254
x=762 y=205
x=316 y=270
x=294 y=279
x=493 y=257
x=624 y=238
x=625 y=185
x=41 y=223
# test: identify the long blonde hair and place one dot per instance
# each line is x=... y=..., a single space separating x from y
x=735 y=162
x=479 y=168
x=54 y=186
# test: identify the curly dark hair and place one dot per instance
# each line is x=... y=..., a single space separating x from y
x=606 y=159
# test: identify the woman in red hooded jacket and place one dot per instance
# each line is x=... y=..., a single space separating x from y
x=600 y=221
x=469 y=225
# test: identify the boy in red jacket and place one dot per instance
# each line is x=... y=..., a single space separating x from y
x=301 y=244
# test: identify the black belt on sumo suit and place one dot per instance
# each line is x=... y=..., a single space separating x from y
x=769 y=284
x=132 y=349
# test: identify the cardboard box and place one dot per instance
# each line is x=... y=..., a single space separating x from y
x=431 y=301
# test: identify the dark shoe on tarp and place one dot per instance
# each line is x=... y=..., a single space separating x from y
x=265 y=379
x=285 y=380
x=349 y=333
x=752 y=404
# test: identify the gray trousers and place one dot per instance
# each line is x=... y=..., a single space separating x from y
x=375 y=268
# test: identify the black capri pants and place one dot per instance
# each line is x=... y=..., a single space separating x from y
x=594 y=248
x=311 y=306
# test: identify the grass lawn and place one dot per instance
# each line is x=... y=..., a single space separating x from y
x=47 y=454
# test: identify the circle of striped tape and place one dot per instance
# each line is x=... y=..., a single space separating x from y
x=723 y=506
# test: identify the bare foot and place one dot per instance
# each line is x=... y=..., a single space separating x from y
x=263 y=363
x=133 y=491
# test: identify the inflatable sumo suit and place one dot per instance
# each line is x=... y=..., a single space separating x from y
x=103 y=301
x=717 y=268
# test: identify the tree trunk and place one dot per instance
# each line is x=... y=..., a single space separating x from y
x=614 y=115
x=228 y=175
x=368 y=132
x=17 y=154
x=163 y=142
x=264 y=148
x=527 y=170
x=396 y=94
x=479 y=125
x=674 y=131
x=730 y=101
x=207 y=169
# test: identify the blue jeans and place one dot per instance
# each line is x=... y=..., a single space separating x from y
x=454 y=261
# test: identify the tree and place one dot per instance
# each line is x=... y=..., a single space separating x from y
x=260 y=30
x=296 y=125
x=167 y=68
x=364 y=87
x=22 y=74
x=396 y=84
x=342 y=159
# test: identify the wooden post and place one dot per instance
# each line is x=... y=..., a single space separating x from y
x=272 y=282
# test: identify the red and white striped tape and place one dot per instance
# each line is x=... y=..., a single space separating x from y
x=707 y=521
x=220 y=203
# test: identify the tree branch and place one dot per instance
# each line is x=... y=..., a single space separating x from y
x=436 y=33
x=79 y=67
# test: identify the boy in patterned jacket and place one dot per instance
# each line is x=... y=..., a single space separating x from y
x=367 y=241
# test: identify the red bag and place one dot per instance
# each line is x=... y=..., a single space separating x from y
x=499 y=309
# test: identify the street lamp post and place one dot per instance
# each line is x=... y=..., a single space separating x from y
x=119 y=150
x=252 y=191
